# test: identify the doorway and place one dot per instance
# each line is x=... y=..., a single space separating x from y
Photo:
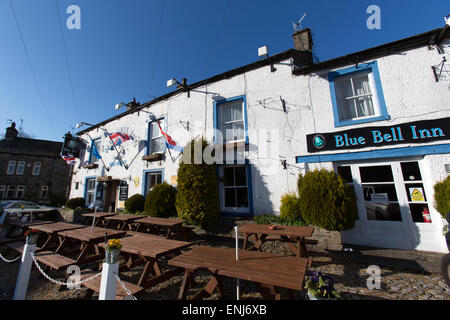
x=111 y=195
x=392 y=201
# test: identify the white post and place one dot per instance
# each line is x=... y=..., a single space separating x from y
x=237 y=259
x=108 y=282
x=20 y=292
x=93 y=220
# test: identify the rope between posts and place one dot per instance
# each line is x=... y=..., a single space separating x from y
x=59 y=282
x=124 y=287
x=9 y=261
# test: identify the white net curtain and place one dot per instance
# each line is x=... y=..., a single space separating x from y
x=354 y=96
x=231 y=121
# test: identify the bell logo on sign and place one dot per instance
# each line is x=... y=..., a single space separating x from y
x=319 y=141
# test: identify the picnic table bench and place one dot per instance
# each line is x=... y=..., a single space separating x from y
x=52 y=229
x=99 y=217
x=172 y=227
x=269 y=271
x=293 y=236
x=89 y=242
x=121 y=221
x=149 y=250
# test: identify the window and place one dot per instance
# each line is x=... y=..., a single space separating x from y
x=90 y=191
x=231 y=121
x=11 y=192
x=20 y=192
x=2 y=191
x=36 y=168
x=357 y=95
x=97 y=143
x=152 y=179
x=11 y=167
x=20 y=167
x=77 y=184
x=346 y=173
x=157 y=142
x=44 y=192
x=234 y=191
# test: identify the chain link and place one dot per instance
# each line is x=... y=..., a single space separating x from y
x=9 y=261
x=59 y=282
x=124 y=287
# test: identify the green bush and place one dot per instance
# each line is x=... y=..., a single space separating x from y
x=160 y=201
x=75 y=203
x=135 y=203
x=197 y=200
x=442 y=196
x=290 y=207
x=327 y=201
x=274 y=219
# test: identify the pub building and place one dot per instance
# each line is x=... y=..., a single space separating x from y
x=379 y=117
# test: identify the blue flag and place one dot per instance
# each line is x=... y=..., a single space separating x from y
x=95 y=151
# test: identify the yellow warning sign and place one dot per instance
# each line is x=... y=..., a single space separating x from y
x=416 y=194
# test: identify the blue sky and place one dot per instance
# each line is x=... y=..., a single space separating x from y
x=128 y=49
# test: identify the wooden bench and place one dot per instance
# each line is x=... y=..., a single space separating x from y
x=274 y=237
x=94 y=285
x=54 y=260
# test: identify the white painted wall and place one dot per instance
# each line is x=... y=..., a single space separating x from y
x=410 y=90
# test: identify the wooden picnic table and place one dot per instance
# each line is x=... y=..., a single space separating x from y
x=99 y=217
x=24 y=225
x=51 y=229
x=121 y=220
x=269 y=271
x=89 y=241
x=149 y=250
x=294 y=236
x=172 y=227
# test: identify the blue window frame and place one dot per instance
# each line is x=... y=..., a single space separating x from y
x=245 y=208
x=232 y=124
x=357 y=95
x=90 y=187
x=150 y=178
x=156 y=141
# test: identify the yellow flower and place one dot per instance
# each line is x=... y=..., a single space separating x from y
x=114 y=244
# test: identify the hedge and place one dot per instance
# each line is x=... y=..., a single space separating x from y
x=160 y=201
x=135 y=203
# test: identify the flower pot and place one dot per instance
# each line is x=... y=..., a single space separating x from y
x=112 y=256
x=31 y=239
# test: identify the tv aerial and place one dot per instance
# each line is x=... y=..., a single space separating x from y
x=295 y=25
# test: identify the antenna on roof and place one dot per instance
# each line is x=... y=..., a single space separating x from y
x=295 y=25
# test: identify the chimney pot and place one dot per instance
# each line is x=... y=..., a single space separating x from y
x=11 y=132
x=303 y=44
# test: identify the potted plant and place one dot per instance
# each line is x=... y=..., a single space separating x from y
x=113 y=250
x=31 y=236
x=320 y=286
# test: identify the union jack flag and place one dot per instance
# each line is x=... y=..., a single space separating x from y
x=70 y=159
x=119 y=137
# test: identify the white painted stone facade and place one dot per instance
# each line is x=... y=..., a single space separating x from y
x=410 y=92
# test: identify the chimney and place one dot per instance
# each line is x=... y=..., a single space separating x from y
x=11 y=132
x=303 y=44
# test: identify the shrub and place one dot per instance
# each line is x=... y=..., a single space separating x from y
x=160 y=201
x=442 y=196
x=327 y=201
x=75 y=203
x=197 y=200
x=135 y=203
x=290 y=207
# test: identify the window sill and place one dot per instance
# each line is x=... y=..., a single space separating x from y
x=153 y=157
x=91 y=166
x=358 y=121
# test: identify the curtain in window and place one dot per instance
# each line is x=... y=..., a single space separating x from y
x=364 y=105
x=346 y=106
x=231 y=120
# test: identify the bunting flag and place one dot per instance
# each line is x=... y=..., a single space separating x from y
x=118 y=138
x=170 y=143
x=70 y=159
